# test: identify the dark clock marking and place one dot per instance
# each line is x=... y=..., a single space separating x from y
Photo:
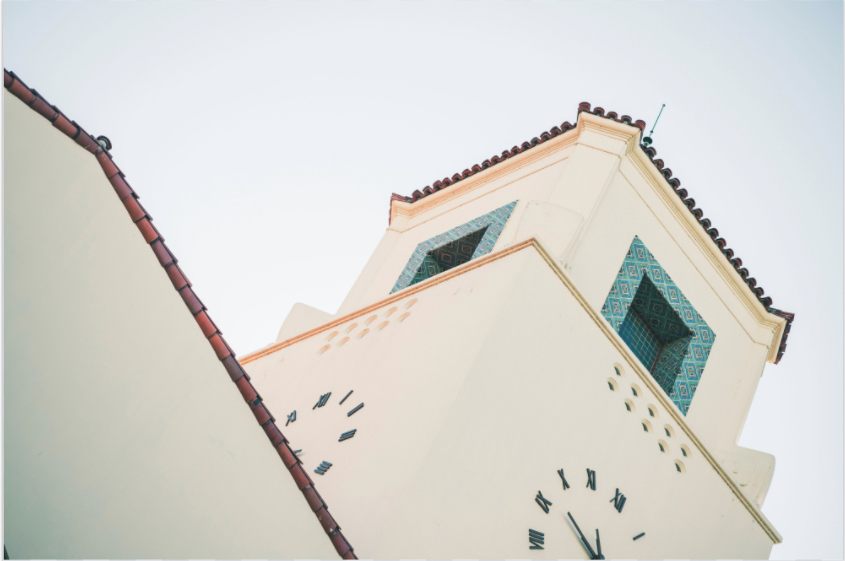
x=591 y=479
x=323 y=467
x=618 y=501
x=344 y=397
x=291 y=417
x=536 y=538
x=347 y=435
x=297 y=452
x=563 y=479
x=322 y=401
x=543 y=502
x=355 y=409
x=638 y=536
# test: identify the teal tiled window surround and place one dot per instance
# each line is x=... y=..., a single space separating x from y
x=659 y=325
x=455 y=247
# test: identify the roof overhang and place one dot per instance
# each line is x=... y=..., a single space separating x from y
x=660 y=179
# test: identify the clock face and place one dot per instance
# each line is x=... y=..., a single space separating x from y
x=336 y=414
x=584 y=508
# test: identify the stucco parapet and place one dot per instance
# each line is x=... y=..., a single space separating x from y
x=631 y=361
x=403 y=213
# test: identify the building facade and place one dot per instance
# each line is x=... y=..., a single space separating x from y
x=549 y=355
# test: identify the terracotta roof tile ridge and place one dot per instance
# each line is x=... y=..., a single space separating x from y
x=182 y=285
x=651 y=152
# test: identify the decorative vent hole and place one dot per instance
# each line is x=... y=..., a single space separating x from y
x=343 y=341
x=668 y=430
x=332 y=335
x=635 y=390
x=382 y=325
x=684 y=451
x=617 y=369
x=324 y=348
x=679 y=466
x=646 y=425
x=371 y=319
x=611 y=383
x=363 y=333
x=662 y=445
x=351 y=327
x=410 y=303
x=404 y=316
x=629 y=405
x=651 y=411
x=390 y=312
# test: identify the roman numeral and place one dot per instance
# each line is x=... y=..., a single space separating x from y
x=563 y=479
x=638 y=536
x=618 y=501
x=347 y=435
x=291 y=417
x=591 y=479
x=322 y=401
x=543 y=502
x=344 y=397
x=323 y=467
x=355 y=409
x=536 y=538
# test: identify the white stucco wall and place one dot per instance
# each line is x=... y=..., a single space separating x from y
x=585 y=195
x=476 y=390
x=124 y=437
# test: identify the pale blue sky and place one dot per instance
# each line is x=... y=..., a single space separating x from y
x=265 y=138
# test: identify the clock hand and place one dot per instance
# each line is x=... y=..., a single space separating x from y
x=598 y=546
x=583 y=538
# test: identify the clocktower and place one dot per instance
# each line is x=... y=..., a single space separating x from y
x=548 y=355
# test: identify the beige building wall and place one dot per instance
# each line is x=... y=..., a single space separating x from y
x=124 y=437
x=506 y=343
x=477 y=386
x=585 y=195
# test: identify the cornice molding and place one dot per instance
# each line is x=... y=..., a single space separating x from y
x=412 y=210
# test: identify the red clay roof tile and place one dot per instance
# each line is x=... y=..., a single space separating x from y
x=107 y=164
x=299 y=475
x=287 y=455
x=247 y=390
x=191 y=300
x=328 y=521
x=134 y=208
x=274 y=434
x=166 y=258
x=315 y=501
x=162 y=252
x=148 y=230
x=219 y=345
x=232 y=366
x=44 y=109
x=121 y=187
x=207 y=326
x=262 y=415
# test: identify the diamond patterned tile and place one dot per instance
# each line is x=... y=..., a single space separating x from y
x=659 y=324
x=454 y=247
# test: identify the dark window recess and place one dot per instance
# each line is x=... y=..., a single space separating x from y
x=448 y=256
x=656 y=334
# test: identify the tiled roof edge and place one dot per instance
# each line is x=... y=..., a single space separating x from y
x=168 y=261
x=651 y=152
